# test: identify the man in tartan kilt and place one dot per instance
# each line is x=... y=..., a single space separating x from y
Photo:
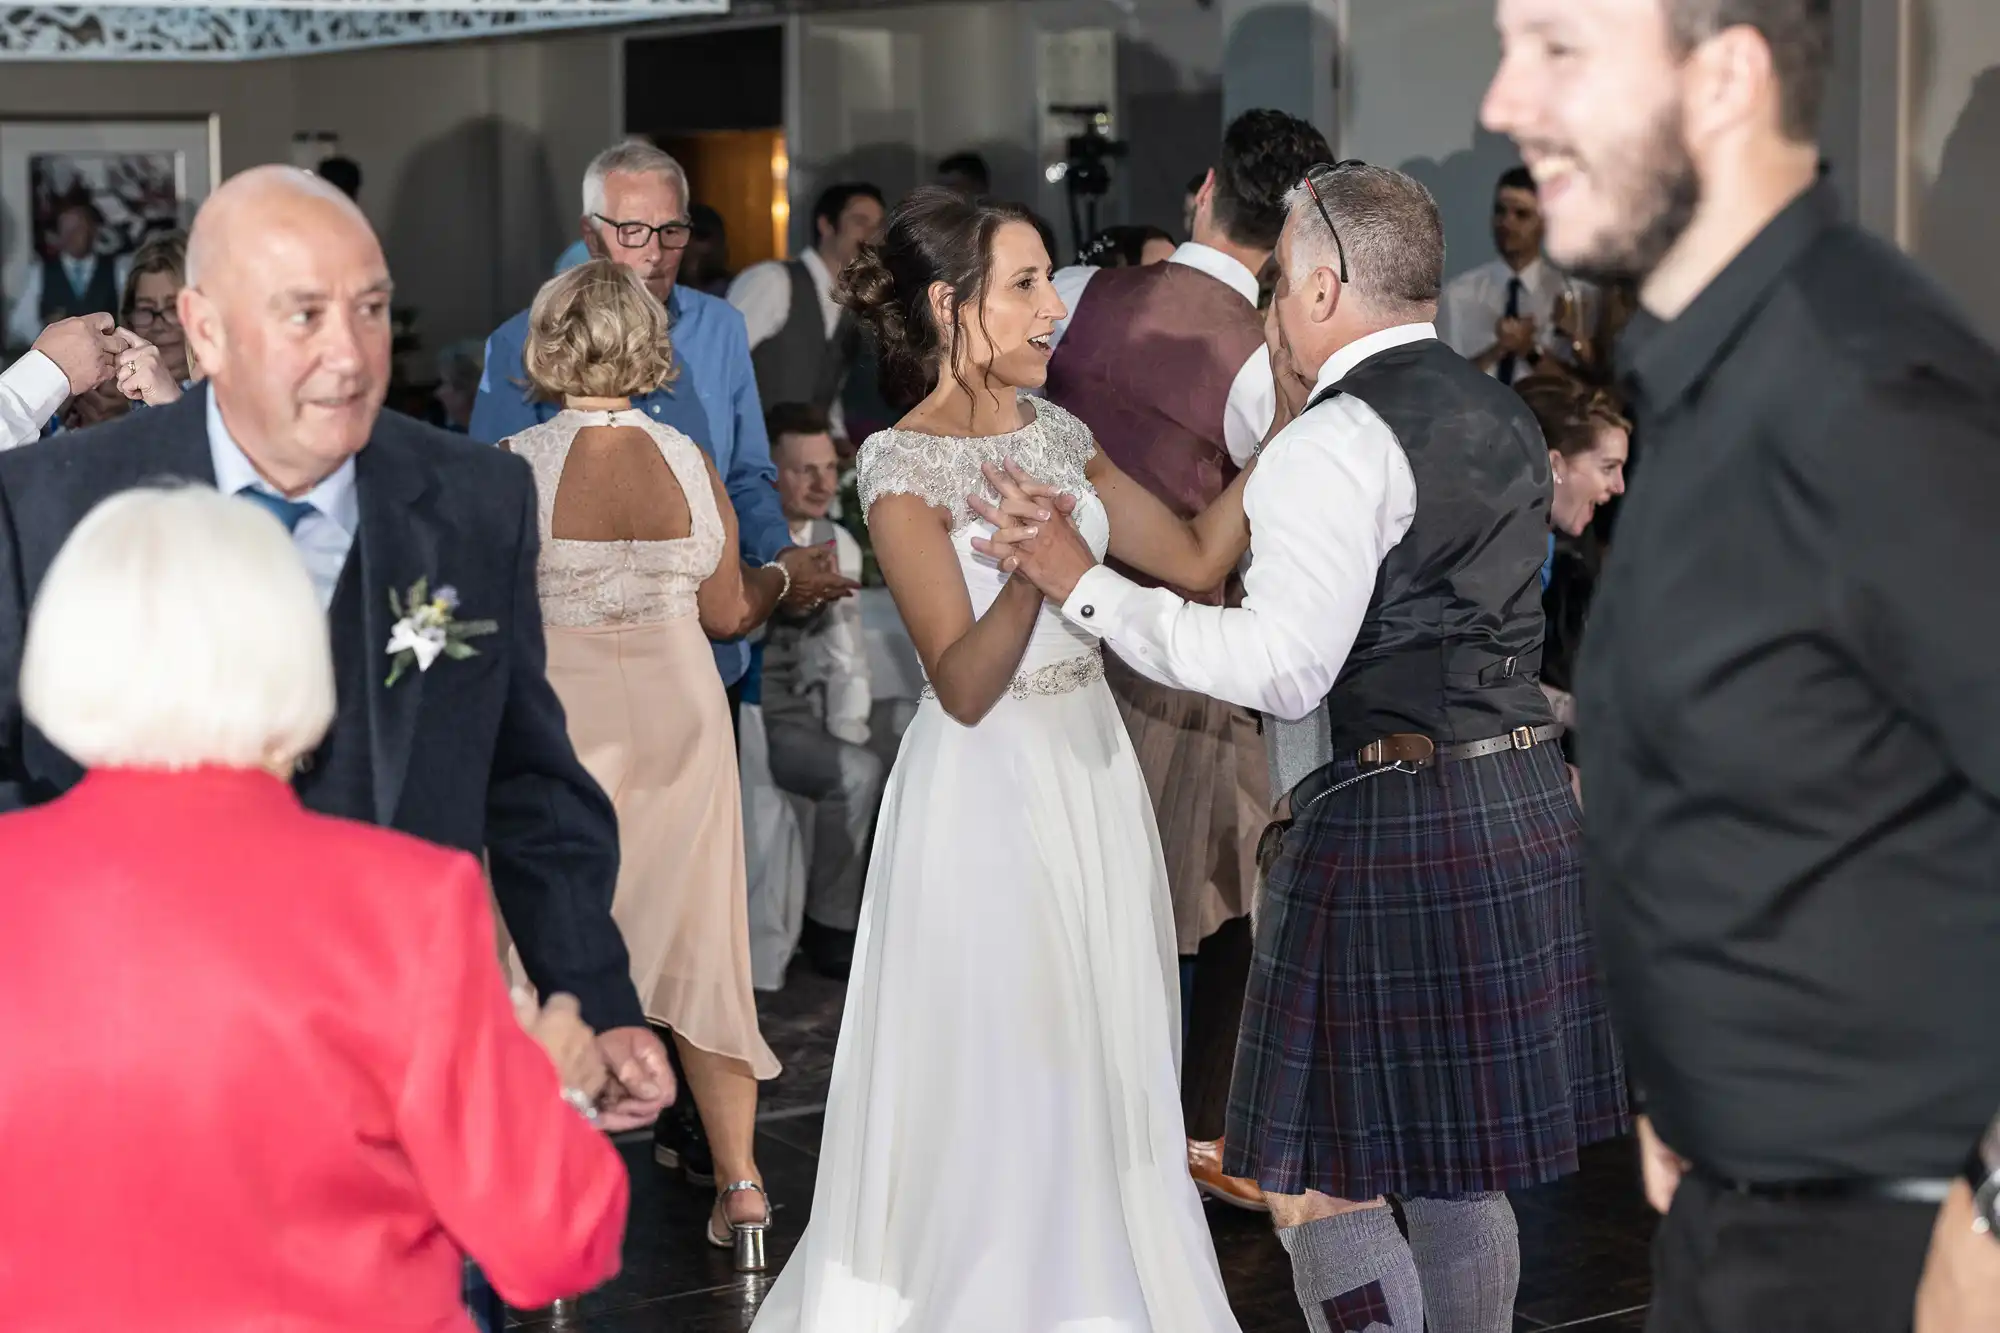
x=1424 y=1021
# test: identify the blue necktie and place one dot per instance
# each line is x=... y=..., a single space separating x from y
x=291 y=513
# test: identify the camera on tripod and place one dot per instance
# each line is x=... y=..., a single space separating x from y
x=1085 y=170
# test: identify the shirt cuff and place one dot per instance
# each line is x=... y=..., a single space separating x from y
x=40 y=382
x=1094 y=601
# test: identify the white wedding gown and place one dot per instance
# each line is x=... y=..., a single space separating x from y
x=1003 y=1150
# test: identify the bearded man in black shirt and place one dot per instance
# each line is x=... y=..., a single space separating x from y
x=1790 y=695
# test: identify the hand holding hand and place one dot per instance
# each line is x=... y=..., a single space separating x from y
x=642 y=1082
x=1960 y=1292
x=141 y=375
x=1032 y=533
x=816 y=578
x=86 y=349
x=559 y=1028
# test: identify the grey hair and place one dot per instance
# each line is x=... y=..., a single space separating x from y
x=634 y=157
x=1390 y=231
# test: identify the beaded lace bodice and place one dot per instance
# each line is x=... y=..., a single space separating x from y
x=587 y=584
x=944 y=470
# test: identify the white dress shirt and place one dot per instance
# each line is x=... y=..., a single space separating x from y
x=1330 y=498
x=323 y=537
x=762 y=294
x=1253 y=396
x=836 y=655
x=1474 y=302
x=25 y=324
x=31 y=391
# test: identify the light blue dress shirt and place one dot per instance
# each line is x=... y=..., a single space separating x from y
x=714 y=403
x=324 y=537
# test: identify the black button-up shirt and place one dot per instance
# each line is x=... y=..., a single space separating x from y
x=1790 y=717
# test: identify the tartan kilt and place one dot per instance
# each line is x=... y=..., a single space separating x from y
x=1424 y=1014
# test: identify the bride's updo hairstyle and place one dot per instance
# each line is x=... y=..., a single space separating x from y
x=935 y=235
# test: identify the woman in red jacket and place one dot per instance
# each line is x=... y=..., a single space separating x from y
x=258 y=1068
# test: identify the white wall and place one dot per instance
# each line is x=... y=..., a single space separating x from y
x=965 y=77
x=1416 y=71
x=1953 y=149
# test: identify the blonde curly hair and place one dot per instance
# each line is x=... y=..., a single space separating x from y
x=596 y=332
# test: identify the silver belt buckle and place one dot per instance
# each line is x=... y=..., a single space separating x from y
x=1524 y=738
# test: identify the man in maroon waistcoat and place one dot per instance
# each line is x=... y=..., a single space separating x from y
x=1167 y=365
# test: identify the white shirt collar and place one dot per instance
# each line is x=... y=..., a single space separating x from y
x=1499 y=271
x=334 y=497
x=1352 y=355
x=816 y=268
x=1223 y=268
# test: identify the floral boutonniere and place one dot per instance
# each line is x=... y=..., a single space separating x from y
x=425 y=629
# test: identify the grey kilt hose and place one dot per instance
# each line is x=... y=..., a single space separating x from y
x=1424 y=1015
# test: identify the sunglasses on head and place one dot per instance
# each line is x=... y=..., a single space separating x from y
x=1312 y=188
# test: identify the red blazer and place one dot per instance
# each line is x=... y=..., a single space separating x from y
x=259 y=1071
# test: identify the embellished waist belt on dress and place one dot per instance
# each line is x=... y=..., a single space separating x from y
x=1064 y=677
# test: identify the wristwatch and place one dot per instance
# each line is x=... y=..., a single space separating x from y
x=1982 y=1172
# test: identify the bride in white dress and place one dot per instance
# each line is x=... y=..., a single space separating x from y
x=1003 y=1150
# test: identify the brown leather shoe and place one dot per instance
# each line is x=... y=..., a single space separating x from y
x=1205 y=1165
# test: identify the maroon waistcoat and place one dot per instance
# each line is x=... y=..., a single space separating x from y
x=1146 y=363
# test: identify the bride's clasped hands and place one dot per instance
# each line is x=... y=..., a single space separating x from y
x=1032 y=532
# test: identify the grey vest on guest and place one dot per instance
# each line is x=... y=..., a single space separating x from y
x=1452 y=642
x=799 y=363
x=338 y=777
x=787 y=698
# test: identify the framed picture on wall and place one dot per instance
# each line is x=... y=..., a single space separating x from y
x=77 y=197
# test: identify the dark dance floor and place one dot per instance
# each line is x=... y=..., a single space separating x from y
x=1583 y=1240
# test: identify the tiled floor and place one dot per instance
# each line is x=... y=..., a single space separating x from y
x=1583 y=1240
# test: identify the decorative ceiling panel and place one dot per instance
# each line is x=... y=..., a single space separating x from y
x=179 y=30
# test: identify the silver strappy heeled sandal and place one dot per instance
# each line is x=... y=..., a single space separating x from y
x=746 y=1238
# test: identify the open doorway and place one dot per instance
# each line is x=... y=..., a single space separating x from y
x=715 y=100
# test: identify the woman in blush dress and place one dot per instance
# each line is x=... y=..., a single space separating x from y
x=1004 y=1150
x=638 y=570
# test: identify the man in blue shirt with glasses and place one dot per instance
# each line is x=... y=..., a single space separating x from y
x=635 y=213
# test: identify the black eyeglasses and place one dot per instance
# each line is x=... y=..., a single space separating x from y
x=1326 y=217
x=638 y=235
x=146 y=316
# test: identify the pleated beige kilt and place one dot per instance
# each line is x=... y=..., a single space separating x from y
x=1210 y=781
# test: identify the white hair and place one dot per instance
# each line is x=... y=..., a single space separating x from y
x=634 y=157
x=177 y=628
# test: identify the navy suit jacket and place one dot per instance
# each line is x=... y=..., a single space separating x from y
x=472 y=754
